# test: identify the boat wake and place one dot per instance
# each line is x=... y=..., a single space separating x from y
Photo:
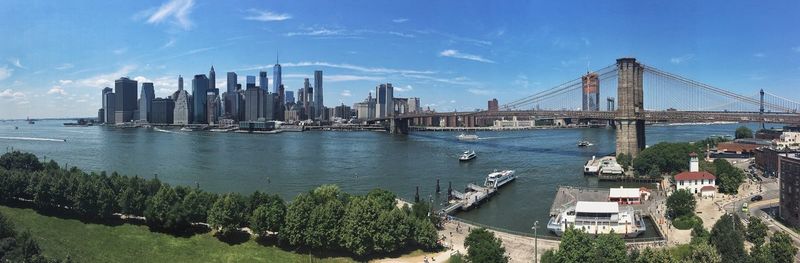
x=32 y=139
x=162 y=130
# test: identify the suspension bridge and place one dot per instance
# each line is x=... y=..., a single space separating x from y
x=634 y=93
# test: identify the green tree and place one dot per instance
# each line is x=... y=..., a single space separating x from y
x=228 y=213
x=549 y=256
x=726 y=236
x=269 y=216
x=424 y=233
x=358 y=228
x=649 y=255
x=681 y=203
x=164 y=211
x=729 y=177
x=756 y=231
x=703 y=252
x=17 y=160
x=197 y=203
x=576 y=246
x=325 y=223
x=296 y=223
x=743 y=132
x=781 y=247
x=624 y=160
x=609 y=248
x=666 y=157
x=394 y=229
x=483 y=246
x=699 y=234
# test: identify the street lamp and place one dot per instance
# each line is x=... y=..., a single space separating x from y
x=535 y=242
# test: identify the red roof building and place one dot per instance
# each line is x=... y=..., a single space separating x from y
x=686 y=176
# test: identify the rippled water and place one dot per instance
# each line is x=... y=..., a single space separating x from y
x=289 y=163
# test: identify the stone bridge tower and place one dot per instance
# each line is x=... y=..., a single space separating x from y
x=630 y=108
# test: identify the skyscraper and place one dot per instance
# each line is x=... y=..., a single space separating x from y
x=212 y=79
x=199 y=91
x=306 y=99
x=263 y=81
x=106 y=90
x=254 y=103
x=591 y=92
x=180 y=82
x=146 y=102
x=163 y=111
x=289 y=97
x=492 y=107
x=276 y=75
x=231 y=101
x=182 y=114
x=251 y=82
x=384 y=104
x=125 y=90
x=413 y=105
x=110 y=108
x=319 y=106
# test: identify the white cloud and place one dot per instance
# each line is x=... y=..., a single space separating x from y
x=175 y=10
x=346 y=93
x=120 y=51
x=17 y=63
x=796 y=49
x=65 y=66
x=400 y=20
x=456 y=54
x=681 y=59
x=344 y=66
x=479 y=91
x=318 y=32
x=266 y=15
x=65 y=81
x=141 y=79
x=407 y=88
x=759 y=55
x=11 y=94
x=340 y=78
x=169 y=43
x=399 y=34
x=104 y=80
x=5 y=72
x=57 y=90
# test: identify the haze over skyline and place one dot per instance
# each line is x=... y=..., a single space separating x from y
x=58 y=56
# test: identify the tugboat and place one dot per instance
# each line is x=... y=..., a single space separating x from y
x=467 y=156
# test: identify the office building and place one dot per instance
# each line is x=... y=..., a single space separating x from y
x=212 y=79
x=319 y=106
x=263 y=81
x=231 y=101
x=254 y=103
x=289 y=97
x=174 y=95
x=413 y=105
x=183 y=112
x=104 y=117
x=146 y=101
x=251 y=82
x=276 y=75
x=789 y=179
x=212 y=108
x=306 y=100
x=270 y=103
x=293 y=113
x=163 y=111
x=384 y=105
x=199 y=92
x=342 y=112
x=280 y=105
x=126 y=97
x=110 y=109
x=366 y=109
x=493 y=107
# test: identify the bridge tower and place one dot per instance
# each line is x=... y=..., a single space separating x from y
x=761 y=108
x=630 y=99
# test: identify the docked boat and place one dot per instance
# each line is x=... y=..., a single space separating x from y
x=467 y=137
x=584 y=143
x=497 y=179
x=467 y=155
x=599 y=218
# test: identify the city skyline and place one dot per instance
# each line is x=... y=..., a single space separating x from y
x=450 y=63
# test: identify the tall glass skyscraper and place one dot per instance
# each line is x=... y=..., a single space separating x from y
x=319 y=106
x=199 y=93
x=125 y=90
x=212 y=78
x=146 y=102
x=276 y=76
x=263 y=81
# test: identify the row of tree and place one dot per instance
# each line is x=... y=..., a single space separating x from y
x=20 y=246
x=324 y=218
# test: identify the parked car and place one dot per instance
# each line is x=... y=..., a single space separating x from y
x=756 y=198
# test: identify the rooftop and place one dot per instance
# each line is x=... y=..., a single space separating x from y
x=624 y=193
x=694 y=176
x=597 y=207
x=708 y=188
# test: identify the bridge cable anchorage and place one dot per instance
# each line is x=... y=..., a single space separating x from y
x=572 y=85
x=715 y=90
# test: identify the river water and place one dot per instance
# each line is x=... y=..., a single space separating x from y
x=293 y=162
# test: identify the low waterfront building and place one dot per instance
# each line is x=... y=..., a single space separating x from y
x=627 y=196
x=734 y=150
x=514 y=123
x=694 y=180
x=257 y=125
x=788 y=140
x=790 y=189
x=767 y=158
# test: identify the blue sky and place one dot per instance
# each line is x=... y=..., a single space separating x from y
x=56 y=56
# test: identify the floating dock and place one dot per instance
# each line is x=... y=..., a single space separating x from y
x=471 y=198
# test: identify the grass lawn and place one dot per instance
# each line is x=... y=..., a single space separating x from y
x=131 y=243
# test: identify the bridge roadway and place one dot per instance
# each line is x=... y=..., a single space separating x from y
x=651 y=116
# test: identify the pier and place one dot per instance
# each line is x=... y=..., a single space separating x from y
x=473 y=196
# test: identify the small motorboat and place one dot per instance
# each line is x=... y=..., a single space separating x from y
x=467 y=137
x=467 y=155
x=584 y=143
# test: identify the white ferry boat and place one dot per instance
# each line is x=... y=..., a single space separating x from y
x=467 y=155
x=467 y=137
x=497 y=179
x=598 y=218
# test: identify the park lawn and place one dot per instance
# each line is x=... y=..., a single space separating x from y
x=131 y=243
